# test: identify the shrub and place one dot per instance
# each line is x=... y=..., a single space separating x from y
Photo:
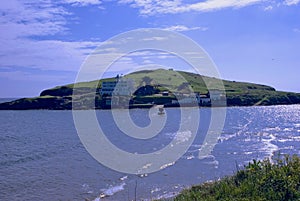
x=274 y=180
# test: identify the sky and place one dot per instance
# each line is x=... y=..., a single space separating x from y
x=43 y=43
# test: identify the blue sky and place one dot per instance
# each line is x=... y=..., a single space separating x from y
x=44 y=42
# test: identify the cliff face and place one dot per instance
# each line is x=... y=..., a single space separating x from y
x=58 y=91
x=269 y=98
x=237 y=93
x=46 y=102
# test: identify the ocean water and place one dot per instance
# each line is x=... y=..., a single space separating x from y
x=42 y=158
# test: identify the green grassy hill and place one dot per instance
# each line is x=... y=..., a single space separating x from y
x=237 y=93
x=173 y=79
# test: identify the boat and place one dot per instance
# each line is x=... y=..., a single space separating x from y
x=161 y=111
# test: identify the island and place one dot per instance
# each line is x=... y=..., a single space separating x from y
x=166 y=87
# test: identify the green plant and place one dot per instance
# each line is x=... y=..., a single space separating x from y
x=276 y=180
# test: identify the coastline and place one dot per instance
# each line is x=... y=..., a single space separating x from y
x=191 y=90
x=138 y=106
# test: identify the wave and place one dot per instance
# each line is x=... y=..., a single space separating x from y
x=277 y=129
x=167 y=165
x=297 y=125
x=180 y=137
x=270 y=148
x=111 y=191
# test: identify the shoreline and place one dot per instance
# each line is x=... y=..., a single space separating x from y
x=143 y=107
x=97 y=94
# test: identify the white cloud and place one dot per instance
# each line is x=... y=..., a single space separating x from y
x=46 y=55
x=185 y=28
x=166 y=56
x=149 y=55
x=82 y=2
x=291 y=2
x=150 y=7
x=26 y=76
x=219 y=4
x=268 y=8
x=26 y=19
x=147 y=62
x=154 y=38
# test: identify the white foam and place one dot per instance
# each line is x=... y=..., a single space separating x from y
x=270 y=148
x=167 y=165
x=143 y=175
x=123 y=178
x=190 y=157
x=288 y=129
x=87 y=188
x=290 y=139
x=207 y=156
x=247 y=139
x=195 y=148
x=225 y=137
x=284 y=140
x=297 y=125
x=288 y=147
x=183 y=136
x=215 y=163
x=155 y=190
x=272 y=129
x=111 y=191
x=147 y=166
x=180 y=137
x=167 y=195
x=295 y=138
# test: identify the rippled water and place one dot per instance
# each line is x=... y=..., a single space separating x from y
x=42 y=158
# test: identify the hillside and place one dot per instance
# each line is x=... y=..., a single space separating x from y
x=237 y=93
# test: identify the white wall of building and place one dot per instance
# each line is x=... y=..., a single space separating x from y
x=120 y=87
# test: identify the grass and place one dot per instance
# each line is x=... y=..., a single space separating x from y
x=237 y=93
x=259 y=181
x=179 y=81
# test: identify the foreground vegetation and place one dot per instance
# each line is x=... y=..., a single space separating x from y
x=259 y=181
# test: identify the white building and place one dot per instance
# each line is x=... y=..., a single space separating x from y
x=108 y=88
x=216 y=95
x=204 y=99
x=186 y=100
x=119 y=87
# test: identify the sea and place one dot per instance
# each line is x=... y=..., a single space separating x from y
x=43 y=158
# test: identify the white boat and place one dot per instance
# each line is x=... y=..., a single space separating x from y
x=161 y=111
